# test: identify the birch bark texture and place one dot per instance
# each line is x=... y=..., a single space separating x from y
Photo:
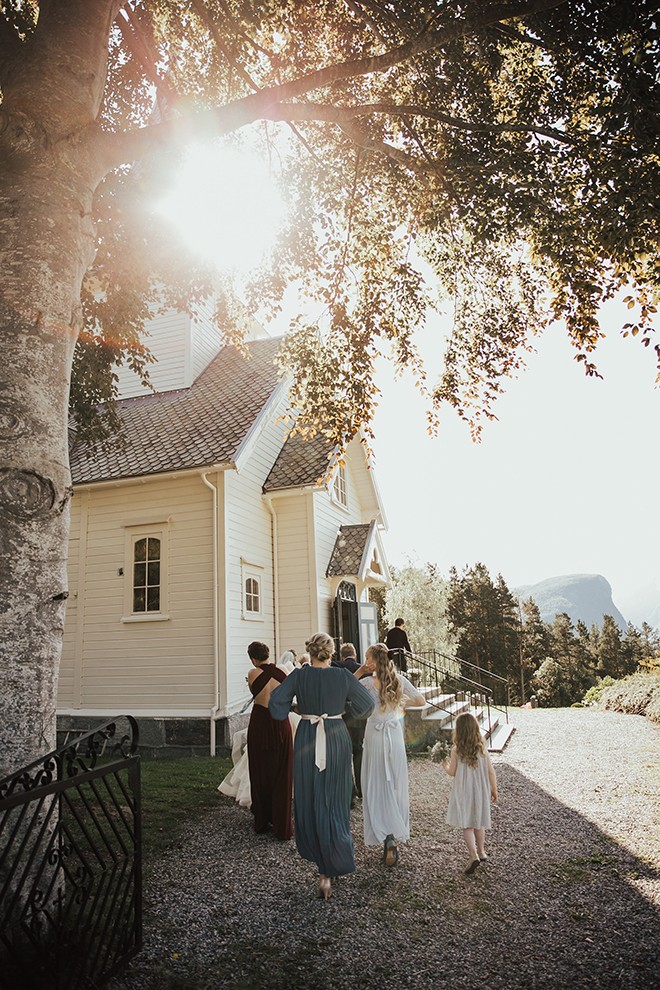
x=50 y=166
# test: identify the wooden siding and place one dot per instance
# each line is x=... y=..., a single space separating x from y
x=295 y=599
x=146 y=665
x=362 y=482
x=169 y=341
x=205 y=338
x=250 y=542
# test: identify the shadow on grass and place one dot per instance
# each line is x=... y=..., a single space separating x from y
x=560 y=905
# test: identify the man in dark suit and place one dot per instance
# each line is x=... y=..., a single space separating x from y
x=356 y=726
x=396 y=640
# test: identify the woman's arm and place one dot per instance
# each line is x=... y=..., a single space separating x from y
x=411 y=696
x=366 y=670
x=450 y=768
x=359 y=702
x=281 y=699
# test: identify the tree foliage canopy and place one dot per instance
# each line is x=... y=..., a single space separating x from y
x=419 y=595
x=503 y=155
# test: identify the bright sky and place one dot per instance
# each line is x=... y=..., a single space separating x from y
x=566 y=482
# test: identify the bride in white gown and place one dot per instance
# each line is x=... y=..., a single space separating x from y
x=385 y=799
x=237 y=782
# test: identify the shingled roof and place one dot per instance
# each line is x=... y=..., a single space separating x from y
x=348 y=550
x=187 y=428
x=300 y=462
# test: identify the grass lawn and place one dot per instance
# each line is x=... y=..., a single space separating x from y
x=174 y=793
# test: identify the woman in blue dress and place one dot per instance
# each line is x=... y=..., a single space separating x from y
x=322 y=768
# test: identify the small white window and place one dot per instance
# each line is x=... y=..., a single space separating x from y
x=252 y=578
x=146 y=574
x=252 y=596
x=339 y=487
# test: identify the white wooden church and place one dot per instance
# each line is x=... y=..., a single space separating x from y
x=205 y=530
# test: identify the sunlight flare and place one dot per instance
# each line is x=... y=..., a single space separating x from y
x=225 y=206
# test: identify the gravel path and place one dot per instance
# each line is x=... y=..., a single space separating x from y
x=569 y=899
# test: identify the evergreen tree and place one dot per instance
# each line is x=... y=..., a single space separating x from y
x=610 y=660
x=573 y=659
x=484 y=617
x=534 y=645
x=650 y=647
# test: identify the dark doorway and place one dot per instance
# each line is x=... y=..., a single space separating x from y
x=347 y=624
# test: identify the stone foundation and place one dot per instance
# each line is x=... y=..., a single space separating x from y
x=164 y=738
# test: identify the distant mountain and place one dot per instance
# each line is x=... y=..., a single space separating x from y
x=582 y=596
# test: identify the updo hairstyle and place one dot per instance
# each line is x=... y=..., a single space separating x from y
x=320 y=647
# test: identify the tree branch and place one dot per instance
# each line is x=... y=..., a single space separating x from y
x=202 y=12
x=119 y=149
x=314 y=111
x=138 y=39
x=365 y=140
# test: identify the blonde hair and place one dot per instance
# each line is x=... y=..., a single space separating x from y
x=467 y=739
x=320 y=647
x=390 y=691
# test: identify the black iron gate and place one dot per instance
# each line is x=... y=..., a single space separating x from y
x=70 y=863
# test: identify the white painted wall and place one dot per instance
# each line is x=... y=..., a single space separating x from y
x=250 y=545
x=169 y=341
x=296 y=581
x=164 y=667
x=204 y=338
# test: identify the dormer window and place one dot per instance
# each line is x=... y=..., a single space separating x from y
x=339 y=488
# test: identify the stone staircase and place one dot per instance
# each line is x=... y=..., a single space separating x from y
x=435 y=721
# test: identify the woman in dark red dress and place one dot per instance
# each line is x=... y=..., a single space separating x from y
x=270 y=749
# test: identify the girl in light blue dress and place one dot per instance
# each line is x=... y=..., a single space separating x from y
x=473 y=789
x=384 y=763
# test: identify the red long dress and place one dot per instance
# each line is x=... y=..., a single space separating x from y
x=270 y=760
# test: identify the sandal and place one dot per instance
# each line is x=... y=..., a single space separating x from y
x=391 y=853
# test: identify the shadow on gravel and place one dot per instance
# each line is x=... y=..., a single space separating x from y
x=559 y=905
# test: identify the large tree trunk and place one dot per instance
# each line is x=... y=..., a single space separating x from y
x=49 y=174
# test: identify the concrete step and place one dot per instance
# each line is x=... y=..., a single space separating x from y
x=488 y=727
x=430 y=690
x=500 y=737
x=447 y=712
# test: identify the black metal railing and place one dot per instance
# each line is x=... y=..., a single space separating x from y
x=70 y=863
x=442 y=674
x=497 y=685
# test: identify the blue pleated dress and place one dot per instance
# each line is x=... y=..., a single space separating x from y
x=322 y=799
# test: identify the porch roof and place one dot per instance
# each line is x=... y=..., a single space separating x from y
x=348 y=552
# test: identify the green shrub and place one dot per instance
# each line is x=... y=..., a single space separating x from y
x=593 y=695
x=638 y=694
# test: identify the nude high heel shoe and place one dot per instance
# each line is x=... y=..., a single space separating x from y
x=325 y=888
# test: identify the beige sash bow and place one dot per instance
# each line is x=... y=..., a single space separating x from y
x=319 y=750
